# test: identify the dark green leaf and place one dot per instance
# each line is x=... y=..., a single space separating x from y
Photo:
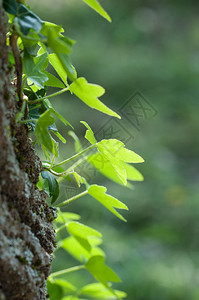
x=53 y=185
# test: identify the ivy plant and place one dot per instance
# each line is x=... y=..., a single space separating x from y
x=35 y=44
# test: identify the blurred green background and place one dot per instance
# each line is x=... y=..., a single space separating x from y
x=151 y=47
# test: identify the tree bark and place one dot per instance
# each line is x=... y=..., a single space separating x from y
x=26 y=229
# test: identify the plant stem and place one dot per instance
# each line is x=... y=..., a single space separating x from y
x=72 y=199
x=75 y=156
x=49 y=96
x=69 y=270
x=75 y=165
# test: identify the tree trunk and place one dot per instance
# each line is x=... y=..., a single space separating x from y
x=26 y=230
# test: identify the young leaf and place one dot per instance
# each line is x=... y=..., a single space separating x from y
x=78 y=146
x=100 y=271
x=49 y=106
x=105 y=167
x=99 y=193
x=89 y=134
x=117 y=149
x=89 y=94
x=53 y=185
x=94 y=4
x=65 y=217
x=114 y=151
x=79 y=179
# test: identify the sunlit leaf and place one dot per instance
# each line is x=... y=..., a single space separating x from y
x=89 y=134
x=89 y=94
x=65 y=217
x=99 y=291
x=94 y=4
x=100 y=271
x=105 y=167
x=99 y=193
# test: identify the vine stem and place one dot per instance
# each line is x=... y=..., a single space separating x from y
x=72 y=199
x=49 y=96
x=69 y=270
x=75 y=156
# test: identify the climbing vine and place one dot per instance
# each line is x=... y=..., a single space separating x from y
x=34 y=44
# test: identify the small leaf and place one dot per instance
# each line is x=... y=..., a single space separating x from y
x=89 y=94
x=60 y=117
x=99 y=193
x=94 y=4
x=78 y=146
x=89 y=134
x=79 y=179
x=100 y=271
x=53 y=185
x=65 y=217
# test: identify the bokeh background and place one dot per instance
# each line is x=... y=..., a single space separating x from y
x=148 y=55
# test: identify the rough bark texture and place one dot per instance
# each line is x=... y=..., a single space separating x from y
x=26 y=230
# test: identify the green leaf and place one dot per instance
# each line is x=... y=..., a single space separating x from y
x=99 y=291
x=78 y=146
x=79 y=179
x=72 y=246
x=66 y=63
x=83 y=234
x=100 y=271
x=66 y=286
x=99 y=193
x=105 y=167
x=43 y=136
x=26 y=19
x=89 y=94
x=53 y=81
x=55 y=290
x=57 y=65
x=49 y=106
x=117 y=149
x=33 y=70
x=89 y=134
x=53 y=185
x=114 y=151
x=94 y=4
x=65 y=217
x=10 y=6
